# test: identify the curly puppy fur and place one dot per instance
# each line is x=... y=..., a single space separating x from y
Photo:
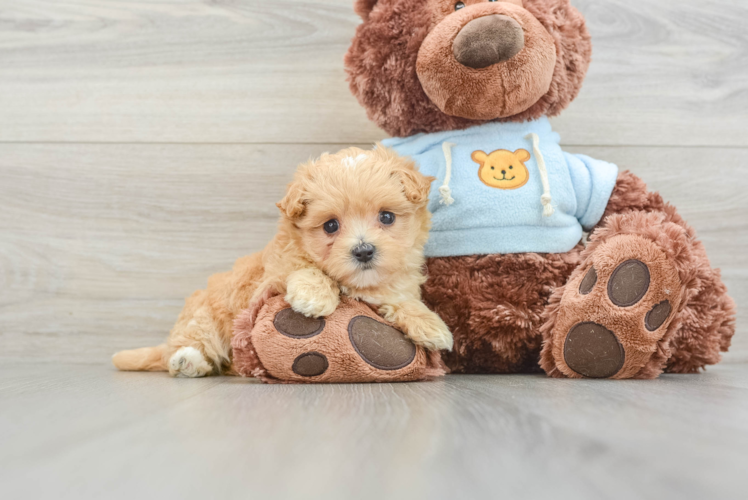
x=313 y=265
x=381 y=63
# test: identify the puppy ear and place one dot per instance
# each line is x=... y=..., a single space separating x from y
x=293 y=204
x=364 y=7
x=416 y=186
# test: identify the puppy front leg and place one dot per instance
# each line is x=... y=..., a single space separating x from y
x=422 y=325
x=312 y=293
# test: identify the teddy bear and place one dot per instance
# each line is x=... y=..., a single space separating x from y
x=466 y=89
x=538 y=260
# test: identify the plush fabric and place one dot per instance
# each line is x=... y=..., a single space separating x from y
x=500 y=308
x=404 y=68
x=490 y=92
x=488 y=219
x=488 y=40
x=626 y=323
x=494 y=305
x=262 y=351
x=381 y=63
x=698 y=331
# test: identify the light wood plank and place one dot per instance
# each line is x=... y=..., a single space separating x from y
x=664 y=73
x=89 y=432
x=100 y=244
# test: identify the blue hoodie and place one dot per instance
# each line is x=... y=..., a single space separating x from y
x=494 y=198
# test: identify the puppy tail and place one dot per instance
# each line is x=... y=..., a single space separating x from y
x=148 y=359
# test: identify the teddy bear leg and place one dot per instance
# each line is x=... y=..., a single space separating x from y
x=493 y=306
x=626 y=312
x=352 y=344
x=706 y=326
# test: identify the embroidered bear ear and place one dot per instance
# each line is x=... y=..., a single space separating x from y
x=479 y=156
x=364 y=7
x=522 y=154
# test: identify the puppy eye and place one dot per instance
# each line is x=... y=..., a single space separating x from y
x=387 y=218
x=331 y=226
x=459 y=5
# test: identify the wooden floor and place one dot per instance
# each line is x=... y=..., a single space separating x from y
x=143 y=145
x=87 y=431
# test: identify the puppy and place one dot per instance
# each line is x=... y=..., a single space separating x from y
x=354 y=223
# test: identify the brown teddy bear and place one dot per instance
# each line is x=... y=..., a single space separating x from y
x=452 y=80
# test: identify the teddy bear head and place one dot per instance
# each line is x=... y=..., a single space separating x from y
x=435 y=65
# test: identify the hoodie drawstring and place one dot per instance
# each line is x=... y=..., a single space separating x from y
x=546 y=199
x=444 y=190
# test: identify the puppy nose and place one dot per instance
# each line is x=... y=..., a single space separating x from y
x=364 y=252
x=488 y=40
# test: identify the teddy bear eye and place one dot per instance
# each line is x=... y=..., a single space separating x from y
x=459 y=5
x=510 y=167
x=493 y=168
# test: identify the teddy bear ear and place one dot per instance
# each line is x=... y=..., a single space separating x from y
x=364 y=7
x=523 y=154
x=479 y=156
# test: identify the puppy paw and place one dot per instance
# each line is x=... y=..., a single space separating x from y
x=433 y=335
x=189 y=362
x=423 y=327
x=312 y=294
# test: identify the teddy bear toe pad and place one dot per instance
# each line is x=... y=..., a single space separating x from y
x=295 y=325
x=310 y=364
x=353 y=344
x=380 y=345
x=613 y=315
x=593 y=351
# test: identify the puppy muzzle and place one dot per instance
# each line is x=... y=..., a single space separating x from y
x=364 y=252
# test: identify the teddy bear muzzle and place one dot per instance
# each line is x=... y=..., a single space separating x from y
x=488 y=40
x=486 y=61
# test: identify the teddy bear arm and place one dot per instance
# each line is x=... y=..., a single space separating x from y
x=631 y=194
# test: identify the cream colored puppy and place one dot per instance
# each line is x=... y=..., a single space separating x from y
x=352 y=223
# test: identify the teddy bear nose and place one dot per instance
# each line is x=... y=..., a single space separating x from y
x=488 y=40
x=364 y=252
x=503 y=172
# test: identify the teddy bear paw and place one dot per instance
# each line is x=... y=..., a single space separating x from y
x=353 y=344
x=614 y=313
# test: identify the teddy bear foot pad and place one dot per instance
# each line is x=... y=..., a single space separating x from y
x=614 y=313
x=353 y=344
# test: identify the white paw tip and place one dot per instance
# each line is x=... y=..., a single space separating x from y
x=189 y=362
